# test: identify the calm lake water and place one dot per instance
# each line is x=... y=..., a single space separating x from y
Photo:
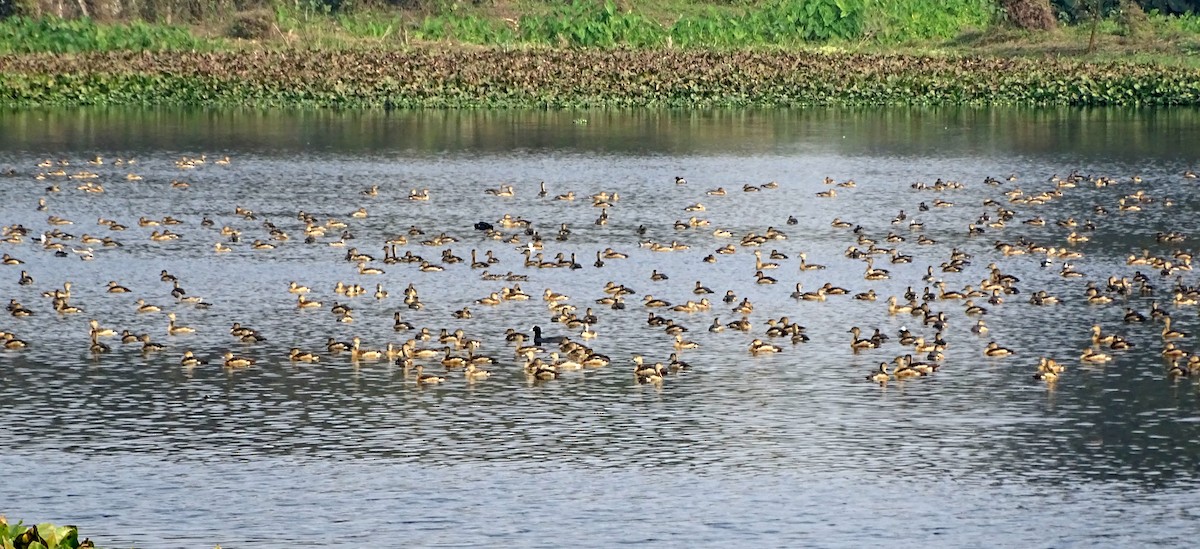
x=794 y=448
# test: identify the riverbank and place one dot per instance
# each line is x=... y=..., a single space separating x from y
x=501 y=77
x=534 y=54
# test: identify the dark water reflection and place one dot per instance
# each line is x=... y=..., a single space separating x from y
x=1132 y=137
x=787 y=448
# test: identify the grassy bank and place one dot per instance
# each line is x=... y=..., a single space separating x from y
x=534 y=53
x=954 y=26
x=564 y=78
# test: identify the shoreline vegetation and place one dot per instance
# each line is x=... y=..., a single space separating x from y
x=40 y=536
x=598 y=53
x=554 y=78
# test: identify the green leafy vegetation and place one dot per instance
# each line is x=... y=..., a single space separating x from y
x=1188 y=23
x=590 y=24
x=858 y=25
x=783 y=22
x=469 y=29
x=566 y=53
x=53 y=35
x=898 y=21
x=41 y=536
x=569 y=78
x=583 y=23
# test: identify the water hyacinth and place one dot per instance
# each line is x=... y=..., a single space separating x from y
x=45 y=535
x=496 y=77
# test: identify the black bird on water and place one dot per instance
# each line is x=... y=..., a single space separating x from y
x=539 y=340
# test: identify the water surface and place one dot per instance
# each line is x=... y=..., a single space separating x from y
x=794 y=448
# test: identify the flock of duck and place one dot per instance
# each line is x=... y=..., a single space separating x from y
x=436 y=355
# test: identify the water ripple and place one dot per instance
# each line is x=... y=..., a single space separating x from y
x=785 y=448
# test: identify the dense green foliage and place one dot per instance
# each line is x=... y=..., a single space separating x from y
x=1171 y=6
x=470 y=29
x=574 y=53
x=778 y=22
x=579 y=78
x=25 y=35
x=596 y=23
x=1074 y=11
x=590 y=24
x=1186 y=24
x=583 y=23
x=892 y=21
x=41 y=536
x=722 y=24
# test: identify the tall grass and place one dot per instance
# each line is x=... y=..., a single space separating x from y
x=722 y=24
x=54 y=35
x=370 y=24
x=583 y=23
x=901 y=21
x=778 y=22
x=471 y=29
